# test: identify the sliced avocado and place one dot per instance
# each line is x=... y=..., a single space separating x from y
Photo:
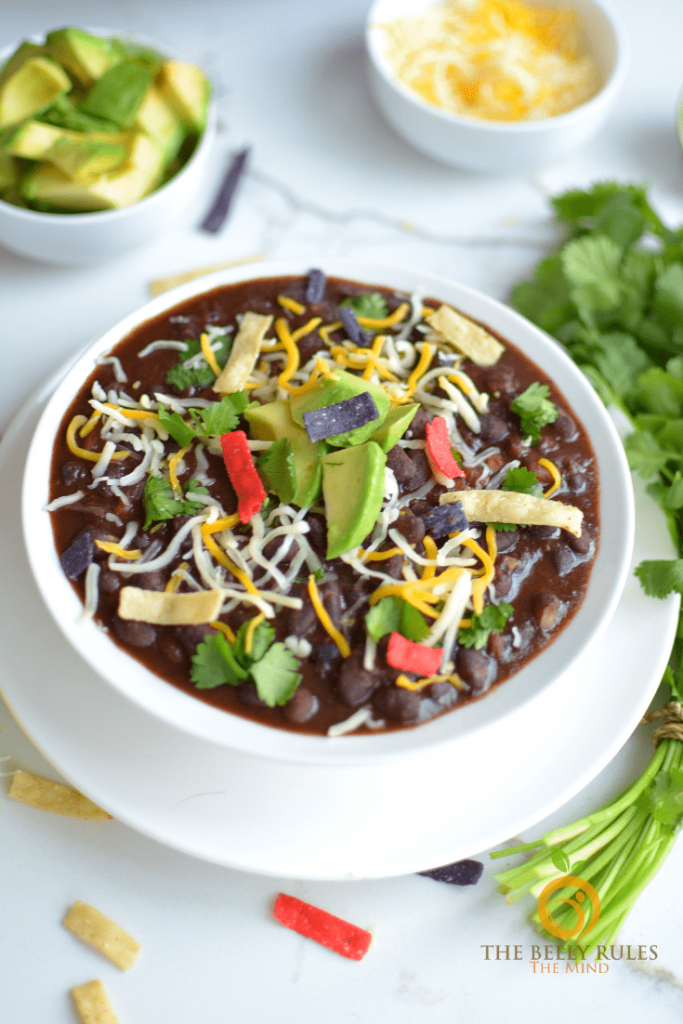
x=31 y=139
x=155 y=117
x=118 y=94
x=23 y=53
x=187 y=90
x=272 y=421
x=328 y=392
x=65 y=114
x=87 y=57
x=353 y=491
x=396 y=422
x=49 y=186
x=31 y=89
x=9 y=173
x=80 y=155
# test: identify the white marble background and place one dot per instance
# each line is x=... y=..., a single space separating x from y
x=326 y=176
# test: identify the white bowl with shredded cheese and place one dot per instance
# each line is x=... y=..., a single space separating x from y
x=149 y=692
x=495 y=86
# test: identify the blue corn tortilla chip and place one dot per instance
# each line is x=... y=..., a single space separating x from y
x=461 y=872
x=315 y=286
x=439 y=525
x=217 y=214
x=340 y=417
x=78 y=555
x=354 y=331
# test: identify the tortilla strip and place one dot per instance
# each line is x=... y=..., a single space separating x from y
x=53 y=796
x=244 y=353
x=92 y=1005
x=165 y=608
x=108 y=938
x=469 y=338
x=513 y=507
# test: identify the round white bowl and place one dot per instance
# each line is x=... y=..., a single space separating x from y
x=169 y=704
x=498 y=147
x=79 y=239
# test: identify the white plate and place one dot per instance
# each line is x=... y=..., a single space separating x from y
x=450 y=804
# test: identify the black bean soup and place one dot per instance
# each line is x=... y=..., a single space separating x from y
x=301 y=640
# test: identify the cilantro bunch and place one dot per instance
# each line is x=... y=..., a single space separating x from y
x=271 y=667
x=613 y=295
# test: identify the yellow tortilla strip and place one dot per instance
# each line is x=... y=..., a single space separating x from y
x=512 y=507
x=92 y=1005
x=244 y=353
x=53 y=796
x=165 y=608
x=469 y=338
x=108 y=938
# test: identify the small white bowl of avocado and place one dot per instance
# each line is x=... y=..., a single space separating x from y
x=103 y=143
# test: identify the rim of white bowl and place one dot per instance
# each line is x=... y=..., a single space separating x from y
x=205 y=140
x=189 y=714
x=609 y=88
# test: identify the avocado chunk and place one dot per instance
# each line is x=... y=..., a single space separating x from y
x=31 y=89
x=329 y=392
x=64 y=114
x=271 y=422
x=87 y=57
x=23 y=53
x=396 y=422
x=186 y=89
x=9 y=174
x=49 y=186
x=76 y=153
x=155 y=117
x=118 y=94
x=353 y=491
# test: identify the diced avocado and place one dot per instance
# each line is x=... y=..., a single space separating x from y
x=23 y=53
x=30 y=89
x=9 y=173
x=31 y=139
x=396 y=422
x=87 y=57
x=328 y=392
x=187 y=90
x=146 y=55
x=353 y=491
x=80 y=155
x=118 y=94
x=155 y=117
x=48 y=185
x=64 y=114
x=272 y=421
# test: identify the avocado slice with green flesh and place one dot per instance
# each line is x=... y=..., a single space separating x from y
x=186 y=89
x=9 y=173
x=80 y=155
x=118 y=94
x=47 y=185
x=31 y=89
x=64 y=114
x=395 y=424
x=87 y=57
x=23 y=53
x=272 y=421
x=329 y=392
x=155 y=117
x=353 y=491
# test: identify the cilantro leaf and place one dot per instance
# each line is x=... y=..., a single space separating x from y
x=201 y=375
x=260 y=642
x=370 y=304
x=221 y=417
x=179 y=429
x=523 y=481
x=661 y=577
x=394 y=615
x=535 y=410
x=161 y=503
x=210 y=666
x=664 y=798
x=277 y=469
x=276 y=676
x=491 y=619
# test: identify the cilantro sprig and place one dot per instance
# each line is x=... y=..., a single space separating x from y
x=272 y=667
x=219 y=418
x=182 y=377
x=369 y=304
x=613 y=295
x=535 y=410
x=161 y=503
x=491 y=619
x=394 y=615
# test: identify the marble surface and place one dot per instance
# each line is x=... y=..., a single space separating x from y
x=326 y=176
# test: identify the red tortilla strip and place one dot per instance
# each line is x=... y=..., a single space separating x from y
x=340 y=936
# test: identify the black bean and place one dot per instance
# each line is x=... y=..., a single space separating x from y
x=302 y=706
x=148 y=580
x=355 y=683
x=563 y=559
x=301 y=621
x=547 y=608
x=399 y=704
x=418 y=425
x=330 y=596
x=190 y=636
x=325 y=653
x=504 y=569
x=78 y=555
x=74 y=472
x=506 y=539
x=494 y=428
x=579 y=544
x=411 y=527
x=476 y=668
x=109 y=581
x=317 y=535
x=308 y=346
x=136 y=634
x=172 y=650
x=565 y=425
x=399 y=463
x=462 y=872
x=248 y=694
x=394 y=566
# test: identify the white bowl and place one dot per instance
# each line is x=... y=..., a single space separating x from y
x=169 y=704
x=80 y=239
x=497 y=146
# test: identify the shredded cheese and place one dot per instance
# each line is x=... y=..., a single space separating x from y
x=555 y=474
x=326 y=622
